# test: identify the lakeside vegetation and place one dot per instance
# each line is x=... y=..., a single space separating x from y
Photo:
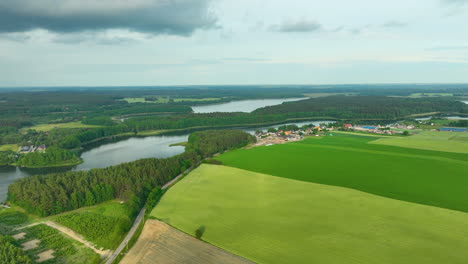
x=406 y=174
x=51 y=157
x=131 y=182
x=270 y=219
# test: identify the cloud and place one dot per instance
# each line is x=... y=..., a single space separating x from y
x=455 y=2
x=445 y=48
x=394 y=24
x=175 y=17
x=297 y=26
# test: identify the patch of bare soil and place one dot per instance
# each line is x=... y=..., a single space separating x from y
x=161 y=243
x=46 y=255
x=30 y=244
x=19 y=236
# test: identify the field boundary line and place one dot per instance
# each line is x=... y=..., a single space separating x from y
x=388 y=153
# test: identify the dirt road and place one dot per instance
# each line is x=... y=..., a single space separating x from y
x=128 y=237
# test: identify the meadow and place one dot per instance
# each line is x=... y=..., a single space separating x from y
x=270 y=219
x=49 y=127
x=421 y=176
x=104 y=224
x=438 y=141
x=9 y=147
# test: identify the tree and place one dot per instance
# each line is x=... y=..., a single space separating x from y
x=200 y=231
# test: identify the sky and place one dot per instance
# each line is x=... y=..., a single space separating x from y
x=219 y=42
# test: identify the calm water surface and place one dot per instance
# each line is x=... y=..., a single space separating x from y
x=118 y=152
x=246 y=106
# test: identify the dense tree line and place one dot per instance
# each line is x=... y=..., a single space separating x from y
x=53 y=156
x=459 y=123
x=132 y=182
x=364 y=107
x=210 y=142
x=11 y=253
x=7 y=157
x=333 y=107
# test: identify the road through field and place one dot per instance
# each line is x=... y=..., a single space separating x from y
x=128 y=237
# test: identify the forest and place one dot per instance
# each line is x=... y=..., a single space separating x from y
x=52 y=156
x=365 y=107
x=45 y=195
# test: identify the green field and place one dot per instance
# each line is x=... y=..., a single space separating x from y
x=49 y=127
x=277 y=220
x=421 y=176
x=9 y=147
x=438 y=141
x=104 y=225
x=165 y=100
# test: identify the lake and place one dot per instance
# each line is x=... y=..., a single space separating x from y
x=114 y=153
x=246 y=106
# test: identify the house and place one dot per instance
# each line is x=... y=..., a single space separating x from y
x=318 y=128
x=25 y=148
x=347 y=125
x=41 y=148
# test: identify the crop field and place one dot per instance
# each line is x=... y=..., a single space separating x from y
x=49 y=127
x=104 y=225
x=271 y=219
x=160 y=243
x=438 y=141
x=414 y=175
x=165 y=100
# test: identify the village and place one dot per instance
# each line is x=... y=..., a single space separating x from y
x=292 y=133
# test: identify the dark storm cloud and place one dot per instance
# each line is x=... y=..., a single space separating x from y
x=177 y=17
x=297 y=26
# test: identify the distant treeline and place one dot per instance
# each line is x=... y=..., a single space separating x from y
x=459 y=123
x=364 y=107
x=334 y=107
x=132 y=182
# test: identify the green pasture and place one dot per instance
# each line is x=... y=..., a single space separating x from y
x=165 y=100
x=438 y=141
x=104 y=225
x=414 y=175
x=9 y=147
x=49 y=127
x=276 y=220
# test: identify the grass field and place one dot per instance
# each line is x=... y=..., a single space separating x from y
x=438 y=141
x=162 y=244
x=49 y=127
x=275 y=220
x=104 y=225
x=421 y=176
x=165 y=100
x=9 y=147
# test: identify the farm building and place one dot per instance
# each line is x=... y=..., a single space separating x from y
x=453 y=129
